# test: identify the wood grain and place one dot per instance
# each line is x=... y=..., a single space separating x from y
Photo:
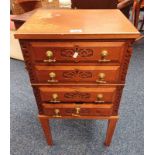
x=110 y=131
x=76 y=80
x=89 y=24
x=77 y=94
x=77 y=73
x=46 y=129
x=84 y=109
x=88 y=52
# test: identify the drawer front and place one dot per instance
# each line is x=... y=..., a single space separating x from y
x=77 y=110
x=77 y=94
x=93 y=74
x=70 y=52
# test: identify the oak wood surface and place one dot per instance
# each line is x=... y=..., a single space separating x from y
x=88 y=24
x=84 y=109
x=110 y=131
x=77 y=94
x=77 y=73
x=82 y=117
x=46 y=129
x=88 y=52
x=75 y=81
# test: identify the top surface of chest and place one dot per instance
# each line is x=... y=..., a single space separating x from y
x=77 y=24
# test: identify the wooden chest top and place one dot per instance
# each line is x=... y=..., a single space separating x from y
x=77 y=24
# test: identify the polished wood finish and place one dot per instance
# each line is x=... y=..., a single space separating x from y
x=77 y=74
x=88 y=26
x=83 y=110
x=110 y=130
x=137 y=6
x=112 y=120
x=46 y=129
x=125 y=6
x=20 y=19
x=82 y=117
x=26 y=5
x=77 y=94
x=88 y=52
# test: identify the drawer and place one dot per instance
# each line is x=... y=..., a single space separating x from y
x=70 y=52
x=77 y=94
x=77 y=110
x=87 y=74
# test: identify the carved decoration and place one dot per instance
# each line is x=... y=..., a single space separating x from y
x=27 y=61
x=77 y=94
x=38 y=99
x=86 y=52
x=69 y=74
x=81 y=52
x=126 y=64
x=67 y=52
x=75 y=73
x=123 y=76
x=30 y=69
x=117 y=100
x=85 y=74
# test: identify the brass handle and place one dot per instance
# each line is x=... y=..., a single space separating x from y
x=103 y=55
x=57 y=113
x=49 y=55
x=52 y=75
x=54 y=98
x=101 y=78
x=77 y=114
x=99 y=98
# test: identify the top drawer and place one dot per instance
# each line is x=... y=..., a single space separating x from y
x=80 y=52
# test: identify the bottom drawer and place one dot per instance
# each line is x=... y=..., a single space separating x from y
x=77 y=110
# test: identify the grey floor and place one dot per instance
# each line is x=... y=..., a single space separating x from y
x=77 y=137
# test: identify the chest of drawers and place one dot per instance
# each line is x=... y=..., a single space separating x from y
x=77 y=62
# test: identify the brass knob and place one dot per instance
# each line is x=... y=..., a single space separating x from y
x=49 y=54
x=101 y=75
x=101 y=78
x=57 y=113
x=104 y=53
x=55 y=96
x=99 y=96
x=52 y=75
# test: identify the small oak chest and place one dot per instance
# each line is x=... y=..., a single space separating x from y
x=77 y=62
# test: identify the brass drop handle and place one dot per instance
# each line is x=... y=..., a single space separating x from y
x=104 y=54
x=99 y=98
x=49 y=55
x=101 y=78
x=52 y=75
x=77 y=114
x=54 y=98
x=57 y=113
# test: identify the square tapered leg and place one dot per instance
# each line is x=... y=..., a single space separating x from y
x=46 y=129
x=110 y=130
